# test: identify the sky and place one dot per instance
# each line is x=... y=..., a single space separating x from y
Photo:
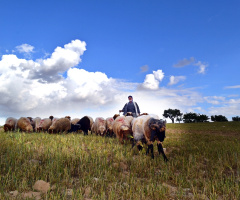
x=80 y=58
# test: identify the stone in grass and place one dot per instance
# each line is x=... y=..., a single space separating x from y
x=35 y=195
x=87 y=192
x=69 y=192
x=14 y=193
x=41 y=186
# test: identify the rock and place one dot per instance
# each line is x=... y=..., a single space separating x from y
x=170 y=188
x=69 y=192
x=87 y=192
x=41 y=186
x=36 y=195
x=14 y=193
x=96 y=179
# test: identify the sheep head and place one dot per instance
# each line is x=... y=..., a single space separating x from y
x=158 y=126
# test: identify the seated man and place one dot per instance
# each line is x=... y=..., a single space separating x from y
x=132 y=107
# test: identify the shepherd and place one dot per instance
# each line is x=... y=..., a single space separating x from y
x=132 y=107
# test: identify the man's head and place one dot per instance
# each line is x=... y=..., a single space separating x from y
x=130 y=98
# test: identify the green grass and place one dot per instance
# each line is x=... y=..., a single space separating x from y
x=204 y=162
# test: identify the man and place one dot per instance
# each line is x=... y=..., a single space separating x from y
x=132 y=107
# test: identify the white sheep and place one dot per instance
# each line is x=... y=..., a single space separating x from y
x=99 y=126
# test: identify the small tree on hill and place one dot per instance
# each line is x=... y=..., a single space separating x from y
x=219 y=118
x=172 y=114
x=236 y=119
x=189 y=117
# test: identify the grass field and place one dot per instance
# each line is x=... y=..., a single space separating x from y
x=204 y=163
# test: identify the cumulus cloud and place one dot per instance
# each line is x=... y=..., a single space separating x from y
x=37 y=88
x=25 y=48
x=144 y=68
x=175 y=79
x=184 y=62
x=152 y=80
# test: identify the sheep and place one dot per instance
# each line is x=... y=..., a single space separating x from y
x=24 y=124
x=109 y=126
x=91 y=122
x=45 y=124
x=122 y=127
x=36 y=123
x=99 y=126
x=148 y=128
x=84 y=123
x=74 y=128
x=10 y=124
x=60 y=125
x=74 y=121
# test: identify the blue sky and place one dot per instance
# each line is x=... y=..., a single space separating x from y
x=85 y=57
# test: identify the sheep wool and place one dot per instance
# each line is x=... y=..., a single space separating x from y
x=122 y=127
x=10 y=124
x=60 y=125
x=24 y=124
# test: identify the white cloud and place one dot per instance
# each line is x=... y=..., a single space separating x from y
x=202 y=67
x=175 y=79
x=232 y=87
x=25 y=48
x=152 y=80
x=184 y=62
x=37 y=88
x=216 y=100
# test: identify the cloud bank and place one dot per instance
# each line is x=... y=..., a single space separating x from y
x=57 y=86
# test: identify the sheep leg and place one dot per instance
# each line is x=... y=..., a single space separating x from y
x=150 y=147
x=160 y=150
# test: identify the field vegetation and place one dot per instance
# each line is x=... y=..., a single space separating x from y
x=204 y=163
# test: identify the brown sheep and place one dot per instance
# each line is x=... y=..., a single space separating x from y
x=24 y=124
x=122 y=127
x=10 y=124
x=99 y=126
x=60 y=125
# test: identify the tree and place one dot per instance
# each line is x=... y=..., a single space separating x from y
x=189 y=117
x=193 y=117
x=172 y=114
x=236 y=119
x=219 y=118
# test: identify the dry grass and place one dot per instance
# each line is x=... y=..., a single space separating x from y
x=204 y=162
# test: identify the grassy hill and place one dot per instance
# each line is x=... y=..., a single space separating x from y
x=204 y=163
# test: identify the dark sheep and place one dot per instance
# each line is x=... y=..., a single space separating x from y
x=84 y=123
x=74 y=128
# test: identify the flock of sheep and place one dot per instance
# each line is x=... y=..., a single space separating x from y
x=142 y=129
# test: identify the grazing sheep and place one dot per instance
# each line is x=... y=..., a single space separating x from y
x=122 y=127
x=75 y=121
x=46 y=123
x=84 y=123
x=24 y=124
x=148 y=128
x=60 y=125
x=36 y=123
x=74 y=128
x=91 y=122
x=99 y=126
x=109 y=126
x=10 y=124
